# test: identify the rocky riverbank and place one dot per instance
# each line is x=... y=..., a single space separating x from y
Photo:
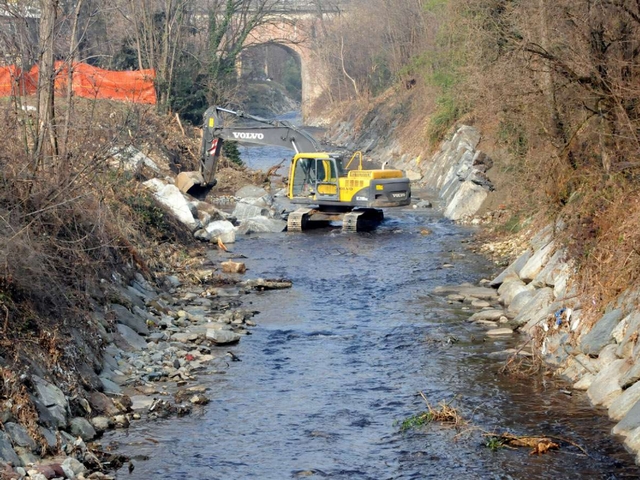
x=146 y=340
x=158 y=340
x=593 y=350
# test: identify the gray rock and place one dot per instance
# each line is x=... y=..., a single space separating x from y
x=19 y=436
x=413 y=176
x=585 y=382
x=184 y=337
x=422 y=204
x=631 y=376
x=572 y=370
x=101 y=424
x=102 y=404
x=171 y=197
x=251 y=191
x=552 y=270
x=110 y=386
x=480 y=304
x=512 y=270
x=632 y=442
x=537 y=262
x=245 y=210
x=487 y=315
x=7 y=453
x=49 y=437
x=131 y=337
x=73 y=467
x=466 y=202
x=629 y=422
x=511 y=286
x=26 y=457
x=519 y=301
x=222 y=337
x=80 y=427
x=480 y=293
x=600 y=334
x=620 y=330
x=555 y=345
x=536 y=308
x=53 y=399
x=261 y=225
x=222 y=229
x=606 y=385
x=499 y=332
x=210 y=210
x=629 y=340
x=141 y=402
x=131 y=320
x=561 y=282
x=621 y=405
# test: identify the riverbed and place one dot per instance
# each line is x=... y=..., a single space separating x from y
x=338 y=362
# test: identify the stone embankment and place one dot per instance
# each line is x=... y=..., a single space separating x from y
x=456 y=174
x=600 y=355
x=158 y=340
x=154 y=341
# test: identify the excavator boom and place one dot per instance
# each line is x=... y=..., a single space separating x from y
x=214 y=133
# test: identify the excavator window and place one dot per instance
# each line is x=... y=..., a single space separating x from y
x=304 y=177
x=315 y=176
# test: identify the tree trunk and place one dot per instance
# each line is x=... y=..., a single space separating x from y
x=46 y=82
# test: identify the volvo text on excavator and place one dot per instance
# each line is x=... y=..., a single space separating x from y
x=319 y=182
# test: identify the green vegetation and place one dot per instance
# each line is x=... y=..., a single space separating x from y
x=416 y=421
x=494 y=443
x=231 y=151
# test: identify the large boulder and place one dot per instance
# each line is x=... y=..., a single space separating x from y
x=536 y=307
x=537 y=262
x=171 y=197
x=131 y=338
x=7 y=453
x=510 y=288
x=606 y=385
x=131 y=320
x=466 y=202
x=513 y=269
x=251 y=191
x=130 y=158
x=53 y=399
x=261 y=225
x=222 y=230
x=222 y=337
x=600 y=334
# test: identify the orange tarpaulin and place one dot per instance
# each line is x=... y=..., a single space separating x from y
x=89 y=82
x=12 y=81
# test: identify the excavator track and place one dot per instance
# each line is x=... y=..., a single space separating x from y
x=362 y=220
x=297 y=221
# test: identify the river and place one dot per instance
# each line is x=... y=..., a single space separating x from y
x=336 y=363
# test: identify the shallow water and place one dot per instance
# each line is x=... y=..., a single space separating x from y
x=339 y=360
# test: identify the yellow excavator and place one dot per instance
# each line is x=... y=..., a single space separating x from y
x=325 y=188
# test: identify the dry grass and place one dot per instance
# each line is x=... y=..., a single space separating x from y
x=444 y=413
x=64 y=226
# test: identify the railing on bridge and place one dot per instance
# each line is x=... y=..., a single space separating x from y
x=308 y=6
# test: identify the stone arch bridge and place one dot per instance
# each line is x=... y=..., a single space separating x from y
x=293 y=26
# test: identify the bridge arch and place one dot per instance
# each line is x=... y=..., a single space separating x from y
x=295 y=35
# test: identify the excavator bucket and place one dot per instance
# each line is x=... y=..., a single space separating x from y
x=185 y=181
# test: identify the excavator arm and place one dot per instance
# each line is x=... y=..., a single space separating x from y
x=261 y=132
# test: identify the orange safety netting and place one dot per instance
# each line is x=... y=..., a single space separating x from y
x=88 y=82
x=12 y=81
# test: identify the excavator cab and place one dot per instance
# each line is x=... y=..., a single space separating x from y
x=315 y=176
